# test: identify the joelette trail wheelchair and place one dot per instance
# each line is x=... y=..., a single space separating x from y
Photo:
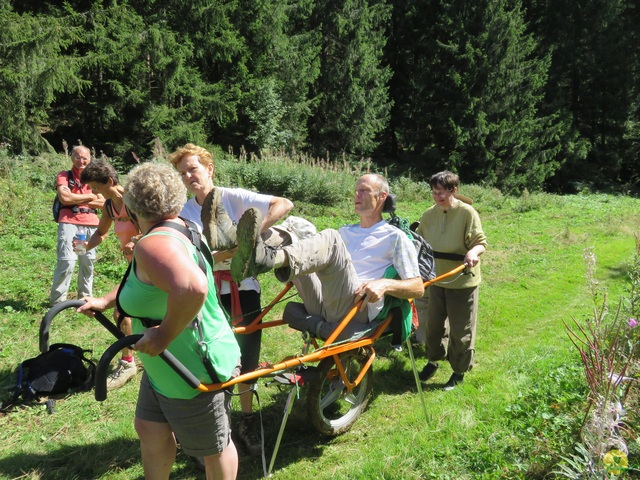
x=338 y=374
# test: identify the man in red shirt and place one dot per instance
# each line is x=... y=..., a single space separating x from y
x=79 y=206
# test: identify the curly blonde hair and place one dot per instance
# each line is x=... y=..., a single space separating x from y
x=154 y=191
x=204 y=156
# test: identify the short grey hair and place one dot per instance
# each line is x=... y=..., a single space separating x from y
x=379 y=181
x=154 y=191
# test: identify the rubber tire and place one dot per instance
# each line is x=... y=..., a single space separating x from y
x=339 y=411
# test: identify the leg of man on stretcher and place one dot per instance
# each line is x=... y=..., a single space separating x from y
x=334 y=268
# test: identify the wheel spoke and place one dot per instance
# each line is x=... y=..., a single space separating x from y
x=332 y=408
x=333 y=395
x=351 y=398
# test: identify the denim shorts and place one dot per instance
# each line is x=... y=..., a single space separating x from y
x=201 y=424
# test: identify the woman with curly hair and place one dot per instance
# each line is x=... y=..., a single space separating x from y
x=174 y=304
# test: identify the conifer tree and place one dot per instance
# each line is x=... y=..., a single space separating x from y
x=475 y=100
x=352 y=94
x=594 y=46
x=33 y=72
x=283 y=64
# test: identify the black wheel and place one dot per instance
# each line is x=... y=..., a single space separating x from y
x=332 y=409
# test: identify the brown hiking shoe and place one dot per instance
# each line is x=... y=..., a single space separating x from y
x=253 y=255
x=219 y=229
x=248 y=433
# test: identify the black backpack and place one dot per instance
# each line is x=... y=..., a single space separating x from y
x=57 y=206
x=426 y=261
x=62 y=369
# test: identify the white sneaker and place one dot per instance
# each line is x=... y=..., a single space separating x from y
x=123 y=372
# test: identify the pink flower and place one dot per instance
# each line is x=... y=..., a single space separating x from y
x=633 y=322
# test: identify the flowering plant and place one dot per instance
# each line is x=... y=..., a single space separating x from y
x=608 y=348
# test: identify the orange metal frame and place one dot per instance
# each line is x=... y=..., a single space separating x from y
x=328 y=349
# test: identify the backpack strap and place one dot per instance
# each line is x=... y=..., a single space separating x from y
x=108 y=207
x=71 y=182
x=111 y=212
x=189 y=230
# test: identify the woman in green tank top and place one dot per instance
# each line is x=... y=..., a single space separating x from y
x=167 y=285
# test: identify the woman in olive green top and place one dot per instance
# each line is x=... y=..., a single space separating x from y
x=454 y=230
x=167 y=285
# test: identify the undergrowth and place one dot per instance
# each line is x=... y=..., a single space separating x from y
x=518 y=414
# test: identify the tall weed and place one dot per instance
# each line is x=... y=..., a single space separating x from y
x=299 y=179
x=608 y=347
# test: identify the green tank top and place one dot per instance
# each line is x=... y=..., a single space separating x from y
x=139 y=299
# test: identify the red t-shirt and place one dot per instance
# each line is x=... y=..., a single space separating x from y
x=66 y=214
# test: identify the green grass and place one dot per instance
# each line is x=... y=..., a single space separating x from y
x=516 y=414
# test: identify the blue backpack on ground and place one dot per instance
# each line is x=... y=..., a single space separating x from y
x=62 y=369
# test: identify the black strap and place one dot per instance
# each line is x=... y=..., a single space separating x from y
x=189 y=230
x=457 y=257
x=108 y=207
x=77 y=209
x=71 y=182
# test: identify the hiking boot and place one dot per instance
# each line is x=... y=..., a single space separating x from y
x=455 y=379
x=428 y=371
x=247 y=432
x=253 y=255
x=199 y=461
x=219 y=229
x=123 y=372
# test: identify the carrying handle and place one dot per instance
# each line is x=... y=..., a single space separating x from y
x=45 y=324
x=126 y=342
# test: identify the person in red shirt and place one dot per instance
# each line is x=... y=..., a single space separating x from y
x=79 y=205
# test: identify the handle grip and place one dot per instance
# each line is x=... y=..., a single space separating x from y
x=103 y=366
x=45 y=324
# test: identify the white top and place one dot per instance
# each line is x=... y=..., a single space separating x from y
x=235 y=201
x=375 y=249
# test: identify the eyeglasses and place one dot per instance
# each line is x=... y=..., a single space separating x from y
x=361 y=191
x=441 y=193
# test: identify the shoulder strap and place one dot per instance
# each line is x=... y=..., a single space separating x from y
x=133 y=217
x=108 y=207
x=71 y=182
x=202 y=251
x=191 y=232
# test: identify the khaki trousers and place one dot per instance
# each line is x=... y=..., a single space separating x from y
x=322 y=271
x=451 y=326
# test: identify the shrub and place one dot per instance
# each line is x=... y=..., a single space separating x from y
x=297 y=178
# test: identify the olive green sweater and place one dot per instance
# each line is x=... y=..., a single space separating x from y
x=455 y=231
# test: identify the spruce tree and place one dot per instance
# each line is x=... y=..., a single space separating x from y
x=594 y=47
x=283 y=63
x=353 y=101
x=34 y=70
x=474 y=103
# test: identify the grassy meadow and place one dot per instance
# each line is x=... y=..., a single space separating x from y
x=517 y=414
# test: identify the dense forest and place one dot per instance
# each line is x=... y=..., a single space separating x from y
x=531 y=94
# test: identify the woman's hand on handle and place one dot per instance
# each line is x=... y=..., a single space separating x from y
x=153 y=342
